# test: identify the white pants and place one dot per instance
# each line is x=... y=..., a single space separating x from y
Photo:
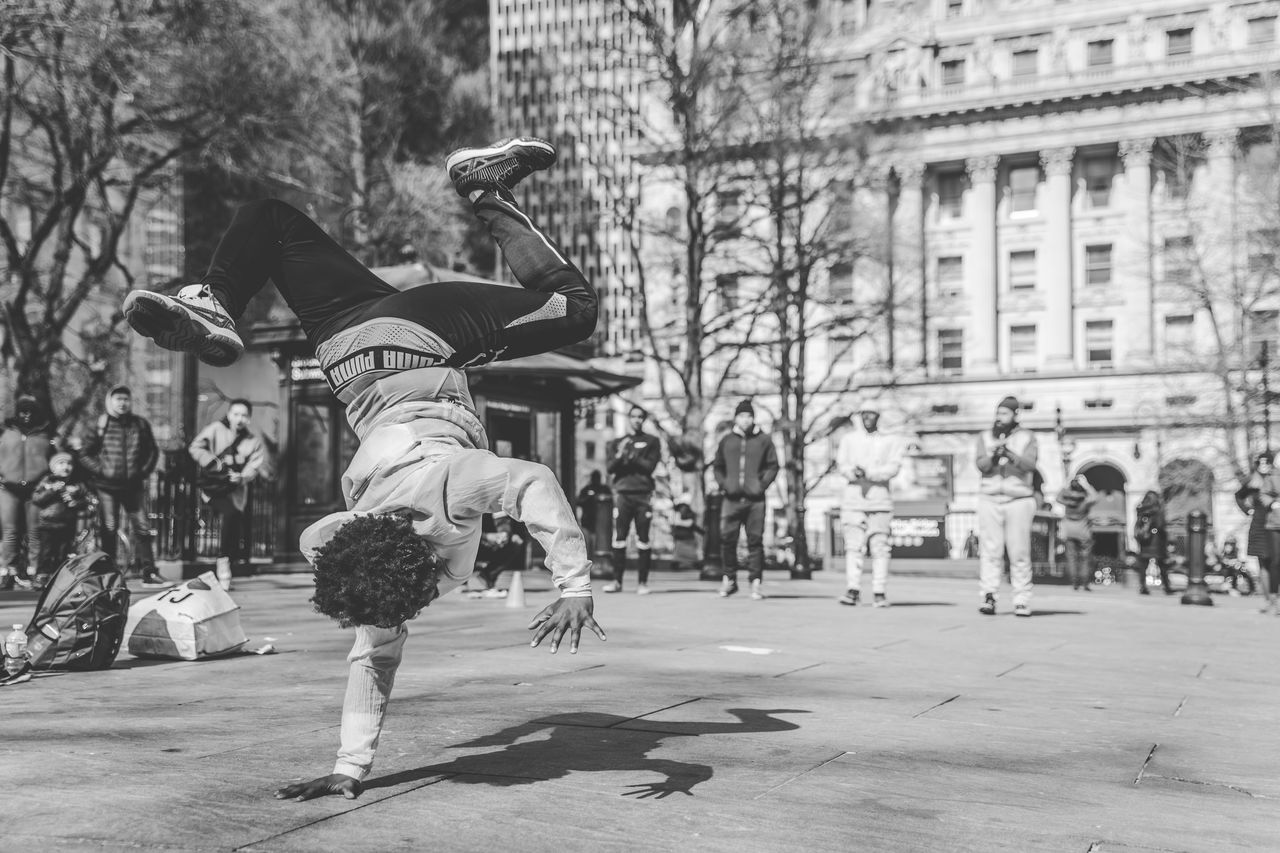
x=866 y=531
x=1006 y=525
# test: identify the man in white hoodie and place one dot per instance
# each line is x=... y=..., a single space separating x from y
x=868 y=459
x=423 y=477
x=1006 y=459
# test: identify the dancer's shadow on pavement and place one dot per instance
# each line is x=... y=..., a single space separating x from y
x=588 y=742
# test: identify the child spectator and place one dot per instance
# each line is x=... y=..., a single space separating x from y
x=63 y=499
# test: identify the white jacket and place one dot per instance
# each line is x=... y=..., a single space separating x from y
x=879 y=455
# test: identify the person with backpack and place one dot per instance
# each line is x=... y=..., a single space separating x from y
x=119 y=453
x=26 y=444
x=1153 y=540
x=230 y=456
x=62 y=499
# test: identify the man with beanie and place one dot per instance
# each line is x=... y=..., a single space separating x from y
x=119 y=453
x=631 y=463
x=1006 y=457
x=745 y=466
x=868 y=459
x=25 y=447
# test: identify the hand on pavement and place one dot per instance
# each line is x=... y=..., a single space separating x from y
x=336 y=783
x=565 y=615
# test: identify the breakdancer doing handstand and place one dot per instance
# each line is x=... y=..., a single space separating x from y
x=422 y=478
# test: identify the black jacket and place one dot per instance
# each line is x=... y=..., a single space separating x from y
x=118 y=453
x=24 y=454
x=61 y=501
x=632 y=460
x=745 y=465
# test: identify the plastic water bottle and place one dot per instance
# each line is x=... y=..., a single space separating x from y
x=15 y=648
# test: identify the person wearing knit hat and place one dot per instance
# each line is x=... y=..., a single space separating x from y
x=745 y=465
x=62 y=500
x=25 y=446
x=1006 y=458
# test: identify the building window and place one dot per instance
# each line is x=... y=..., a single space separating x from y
x=950 y=277
x=1022 y=188
x=951 y=351
x=1178 y=42
x=1022 y=349
x=1262 y=329
x=840 y=284
x=1097 y=264
x=1098 y=173
x=953 y=72
x=950 y=194
x=1262 y=253
x=727 y=286
x=728 y=212
x=1179 y=336
x=1022 y=271
x=955 y=8
x=1026 y=63
x=1262 y=30
x=1100 y=53
x=1099 y=344
x=1179 y=254
x=589 y=450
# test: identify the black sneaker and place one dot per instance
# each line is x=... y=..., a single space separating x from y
x=850 y=597
x=988 y=607
x=500 y=166
x=192 y=321
x=152 y=580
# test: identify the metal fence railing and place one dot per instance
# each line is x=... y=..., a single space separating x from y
x=172 y=499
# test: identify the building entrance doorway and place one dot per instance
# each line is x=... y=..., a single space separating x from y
x=1108 y=515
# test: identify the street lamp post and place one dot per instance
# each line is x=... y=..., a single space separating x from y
x=1066 y=445
x=1264 y=364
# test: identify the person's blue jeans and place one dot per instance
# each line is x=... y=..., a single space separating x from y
x=128 y=501
x=736 y=515
x=16 y=517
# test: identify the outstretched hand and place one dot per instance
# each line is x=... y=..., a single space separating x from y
x=565 y=615
x=658 y=790
x=336 y=783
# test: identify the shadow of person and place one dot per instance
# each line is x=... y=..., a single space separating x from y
x=588 y=742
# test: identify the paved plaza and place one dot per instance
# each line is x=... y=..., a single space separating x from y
x=1109 y=722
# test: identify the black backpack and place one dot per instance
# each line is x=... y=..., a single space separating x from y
x=80 y=617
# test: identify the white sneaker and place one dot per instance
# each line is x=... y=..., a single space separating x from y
x=642 y=590
x=494 y=593
x=192 y=321
x=756 y=593
x=613 y=586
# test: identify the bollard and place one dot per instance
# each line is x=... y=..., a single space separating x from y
x=712 y=564
x=1197 y=592
x=602 y=556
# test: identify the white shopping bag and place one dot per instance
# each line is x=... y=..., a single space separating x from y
x=195 y=619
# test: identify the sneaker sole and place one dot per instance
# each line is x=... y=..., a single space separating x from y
x=532 y=153
x=175 y=327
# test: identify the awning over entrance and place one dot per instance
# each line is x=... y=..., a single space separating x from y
x=582 y=375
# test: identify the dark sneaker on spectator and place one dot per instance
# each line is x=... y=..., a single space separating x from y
x=191 y=321
x=500 y=166
x=850 y=597
x=152 y=579
x=988 y=607
x=728 y=586
x=879 y=600
x=1021 y=610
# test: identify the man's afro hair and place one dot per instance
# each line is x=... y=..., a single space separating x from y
x=375 y=571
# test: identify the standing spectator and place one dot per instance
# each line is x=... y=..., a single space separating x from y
x=25 y=447
x=868 y=459
x=62 y=500
x=631 y=463
x=227 y=450
x=745 y=466
x=685 y=531
x=1006 y=458
x=1153 y=541
x=1256 y=544
x=1266 y=485
x=1077 y=499
x=501 y=548
x=588 y=507
x=119 y=453
x=971 y=546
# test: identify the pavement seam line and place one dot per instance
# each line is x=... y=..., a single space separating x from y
x=658 y=711
x=939 y=705
x=1178 y=710
x=817 y=766
x=1143 y=769
x=1235 y=788
x=890 y=643
x=1011 y=669
x=799 y=669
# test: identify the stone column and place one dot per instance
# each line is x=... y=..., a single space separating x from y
x=1134 y=273
x=1058 y=329
x=981 y=343
x=911 y=306
x=1216 y=247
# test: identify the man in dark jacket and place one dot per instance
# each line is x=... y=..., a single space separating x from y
x=745 y=466
x=631 y=463
x=119 y=453
x=25 y=447
x=1153 y=537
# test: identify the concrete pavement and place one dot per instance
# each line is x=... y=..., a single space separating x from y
x=1108 y=722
